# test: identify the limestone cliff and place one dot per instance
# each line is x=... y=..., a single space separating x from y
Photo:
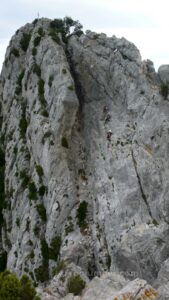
x=84 y=130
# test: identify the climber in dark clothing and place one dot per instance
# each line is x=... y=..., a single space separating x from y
x=109 y=134
x=107 y=119
x=105 y=109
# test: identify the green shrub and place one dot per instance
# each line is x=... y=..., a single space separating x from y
x=47 y=134
x=75 y=284
x=36 y=69
x=32 y=191
x=36 y=230
x=69 y=228
x=20 y=77
x=34 y=51
x=41 y=32
x=25 y=179
x=42 y=272
x=39 y=170
x=51 y=77
x=82 y=213
x=57 y=24
x=15 y=52
x=64 y=142
x=60 y=266
x=44 y=249
x=27 y=156
x=36 y=41
x=164 y=90
x=42 y=190
x=10 y=287
x=35 y=21
x=108 y=261
x=24 y=42
x=18 y=222
x=71 y=87
x=18 y=89
x=155 y=222
x=54 y=35
x=41 y=211
x=23 y=126
x=28 y=291
x=63 y=27
x=41 y=91
x=54 y=249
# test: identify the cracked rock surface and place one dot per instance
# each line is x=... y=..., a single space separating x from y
x=85 y=129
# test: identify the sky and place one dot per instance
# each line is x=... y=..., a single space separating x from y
x=143 y=22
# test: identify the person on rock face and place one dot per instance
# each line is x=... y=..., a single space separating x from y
x=109 y=134
x=107 y=119
x=105 y=109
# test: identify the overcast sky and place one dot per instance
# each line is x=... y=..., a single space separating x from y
x=143 y=22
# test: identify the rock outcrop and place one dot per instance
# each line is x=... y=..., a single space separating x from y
x=84 y=129
x=108 y=286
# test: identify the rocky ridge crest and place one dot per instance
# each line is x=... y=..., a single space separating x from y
x=84 y=130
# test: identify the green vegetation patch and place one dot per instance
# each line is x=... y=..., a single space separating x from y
x=36 y=69
x=41 y=91
x=11 y=288
x=25 y=179
x=34 y=51
x=18 y=89
x=24 y=42
x=51 y=77
x=41 y=32
x=164 y=89
x=39 y=170
x=75 y=284
x=23 y=126
x=42 y=272
x=32 y=191
x=82 y=213
x=15 y=52
x=54 y=249
x=60 y=266
x=37 y=40
x=64 y=142
x=41 y=211
x=42 y=190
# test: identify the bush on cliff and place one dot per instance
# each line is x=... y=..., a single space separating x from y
x=11 y=288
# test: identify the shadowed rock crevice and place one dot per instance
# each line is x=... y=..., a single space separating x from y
x=140 y=185
x=78 y=84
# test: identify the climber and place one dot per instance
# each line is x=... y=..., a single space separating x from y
x=105 y=109
x=109 y=134
x=107 y=119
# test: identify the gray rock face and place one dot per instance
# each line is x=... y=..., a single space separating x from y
x=163 y=72
x=85 y=133
x=108 y=286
